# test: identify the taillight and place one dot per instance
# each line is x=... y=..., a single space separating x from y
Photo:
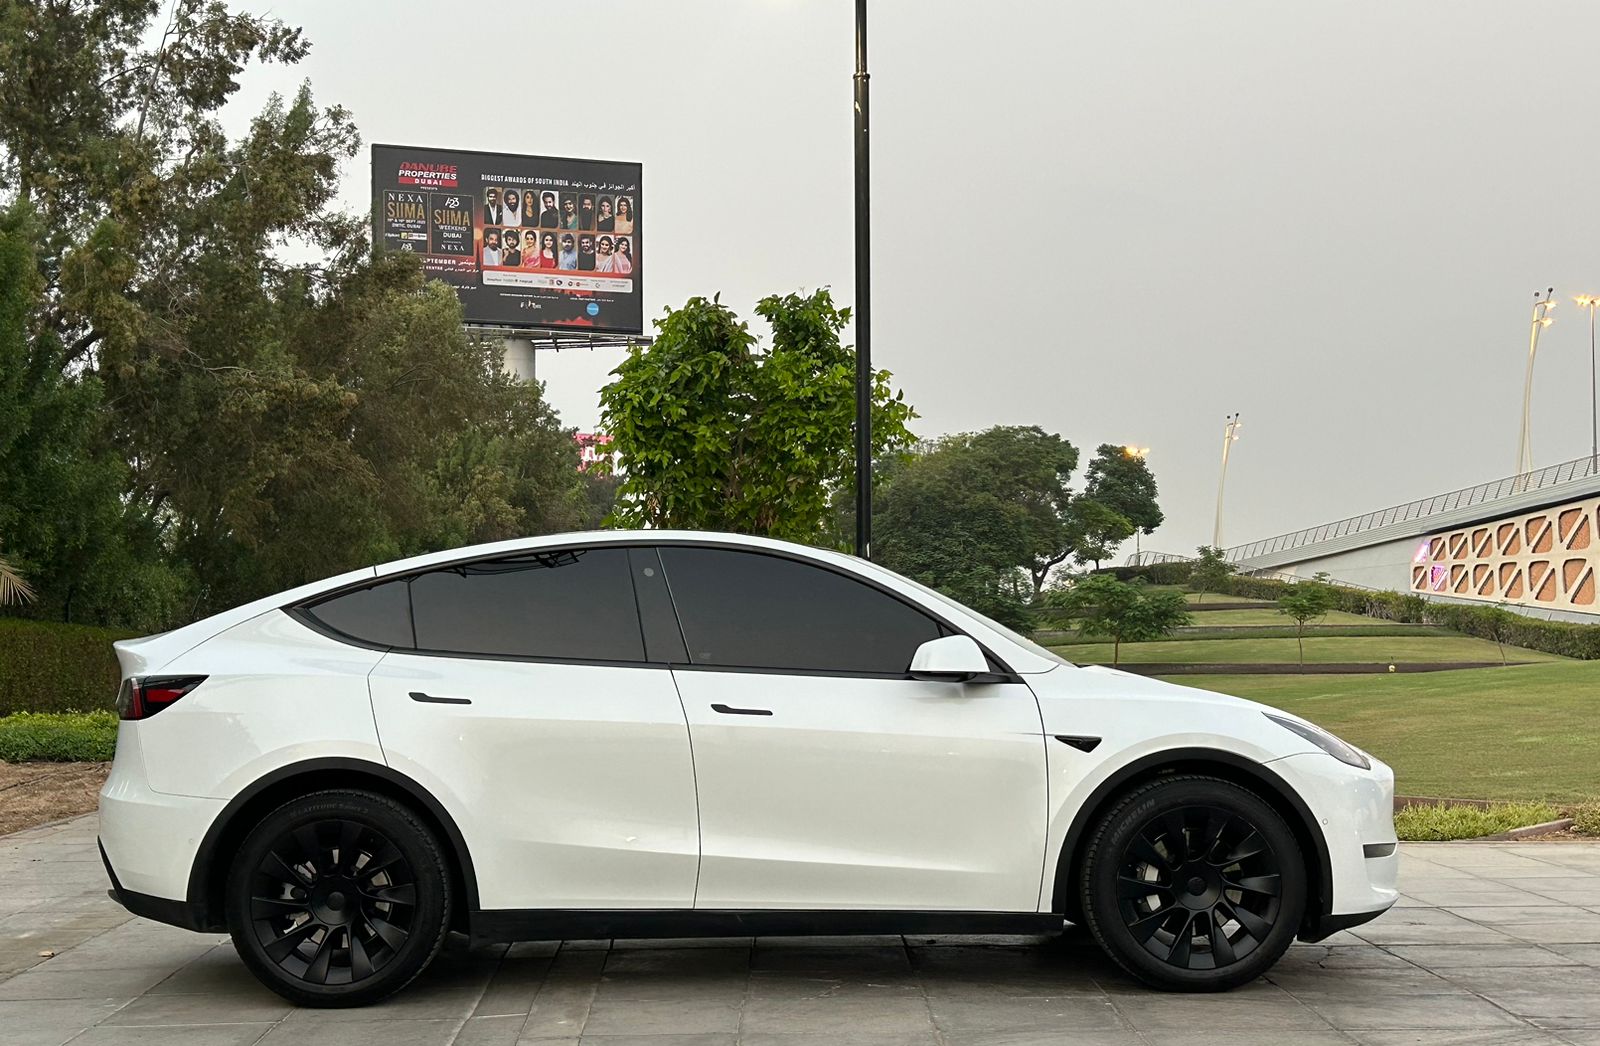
x=143 y=698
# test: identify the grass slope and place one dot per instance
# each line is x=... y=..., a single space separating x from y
x=1524 y=733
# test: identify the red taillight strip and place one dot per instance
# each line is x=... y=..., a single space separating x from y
x=143 y=698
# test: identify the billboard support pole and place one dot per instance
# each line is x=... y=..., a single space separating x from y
x=863 y=299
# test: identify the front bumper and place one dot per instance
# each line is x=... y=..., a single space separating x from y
x=1354 y=810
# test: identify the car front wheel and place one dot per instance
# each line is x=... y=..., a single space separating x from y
x=338 y=898
x=1193 y=884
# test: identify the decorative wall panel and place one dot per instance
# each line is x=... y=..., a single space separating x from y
x=1541 y=559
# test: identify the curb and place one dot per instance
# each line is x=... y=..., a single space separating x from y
x=1532 y=831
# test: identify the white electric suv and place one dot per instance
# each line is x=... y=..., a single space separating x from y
x=633 y=734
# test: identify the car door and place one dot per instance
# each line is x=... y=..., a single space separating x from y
x=527 y=706
x=827 y=777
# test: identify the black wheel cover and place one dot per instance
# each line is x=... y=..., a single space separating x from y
x=332 y=902
x=1199 y=887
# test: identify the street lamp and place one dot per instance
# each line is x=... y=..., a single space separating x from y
x=863 y=298
x=1230 y=433
x=1591 y=302
x=1542 y=304
x=1139 y=453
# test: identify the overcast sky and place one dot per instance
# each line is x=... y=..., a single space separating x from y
x=1117 y=221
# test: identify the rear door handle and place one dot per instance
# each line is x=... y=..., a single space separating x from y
x=730 y=710
x=429 y=699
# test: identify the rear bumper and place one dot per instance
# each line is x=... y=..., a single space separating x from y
x=161 y=909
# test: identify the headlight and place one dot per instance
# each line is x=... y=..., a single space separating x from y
x=1323 y=740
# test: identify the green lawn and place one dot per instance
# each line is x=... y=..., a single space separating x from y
x=1321 y=649
x=1506 y=733
x=1214 y=597
x=1223 y=618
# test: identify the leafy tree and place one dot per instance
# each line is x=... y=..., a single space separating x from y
x=1211 y=571
x=711 y=432
x=1122 y=612
x=209 y=420
x=1306 y=601
x=1123 y=483
x=1094 y=530
x=1497 y=623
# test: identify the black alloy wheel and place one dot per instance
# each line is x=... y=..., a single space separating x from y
x=1194 y=884
x=338 y=899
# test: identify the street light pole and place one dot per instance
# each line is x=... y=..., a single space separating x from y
x=1591 y=302
x=863 y=298
x=1541 y=319
x=1230 y=432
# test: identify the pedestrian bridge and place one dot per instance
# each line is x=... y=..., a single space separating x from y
x=1529 y=541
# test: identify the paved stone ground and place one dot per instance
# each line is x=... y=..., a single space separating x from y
x=1496 y=943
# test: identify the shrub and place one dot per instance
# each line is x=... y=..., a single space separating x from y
x=46 y=666
x=58 y=737
x=1586 y=817
x=1444 y=821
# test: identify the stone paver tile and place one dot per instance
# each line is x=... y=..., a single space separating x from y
x=1433 y=956
x=1362 y=983
x=880 y=959
x=216 y=972
x=1266 y=1007
x=1324 y=1036
x=1458 y=1037
x=664 y=986
x=623 y=944
x=148 y=944
x=512 y=989
x=708 y=962
x=1558 y=994
x=663 y=1016
x=43 y=982
x=417 y=1002
x=1576 y=889
x=1588 y=954
x=1408 y=1012
x=846 y=1037
x=490 y=1031
x=1477 y=893
x=561 y=1006
x=684 y=1039
x=888 y=1011
x=1329 y=958
x=372 y=1032
x=201 y=1035
x=1543 y=925
x=48 y=1023
x=1428 y=926
x=974 y=1016
x=201 y=1009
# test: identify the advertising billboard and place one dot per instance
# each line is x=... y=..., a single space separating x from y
x=526 y=241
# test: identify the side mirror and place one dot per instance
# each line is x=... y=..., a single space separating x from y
x=951 y=659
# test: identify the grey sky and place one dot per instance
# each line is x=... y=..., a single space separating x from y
x=1118 y=221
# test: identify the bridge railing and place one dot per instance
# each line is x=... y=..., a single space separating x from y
x=1422 y=508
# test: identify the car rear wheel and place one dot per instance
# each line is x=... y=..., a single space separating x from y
x=1193 y=884
x=338 y=898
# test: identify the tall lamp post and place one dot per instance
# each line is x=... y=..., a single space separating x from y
x=1591 y=302
x=863 y=298
x=1542 y=304
x=1140 y=453
x=1230 y=433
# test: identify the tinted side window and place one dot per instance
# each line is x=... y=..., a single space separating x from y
x=380 y=615
x=571 y=604
x=747 y=610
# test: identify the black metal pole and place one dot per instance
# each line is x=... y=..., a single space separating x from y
x=863 y=299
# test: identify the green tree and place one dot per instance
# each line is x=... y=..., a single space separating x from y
x=1211 y=570
x=1121 y=612
x=1306 y=601
x=259 y=399
x=1497 y=623
x=711 y=432
x=1123 y=483
x=1093 y=530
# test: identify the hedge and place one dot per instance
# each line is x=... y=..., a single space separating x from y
x=46 y=666
x=58 y=737
x=1566 y=638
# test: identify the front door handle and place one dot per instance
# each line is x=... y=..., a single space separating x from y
x=429 y=699
x=730 y=710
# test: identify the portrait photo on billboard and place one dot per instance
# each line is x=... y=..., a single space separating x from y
x=526 y=241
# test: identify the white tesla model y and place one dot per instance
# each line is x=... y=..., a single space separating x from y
x=671 y=734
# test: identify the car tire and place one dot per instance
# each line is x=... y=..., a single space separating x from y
x=338 y=898
x=1193 y=884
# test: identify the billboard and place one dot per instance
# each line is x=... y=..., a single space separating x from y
x=526 y=241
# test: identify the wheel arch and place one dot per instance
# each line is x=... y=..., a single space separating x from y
x=208 y=876
x=1257 y=777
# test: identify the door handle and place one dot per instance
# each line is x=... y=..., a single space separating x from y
x=730 y=710
x=429 y=699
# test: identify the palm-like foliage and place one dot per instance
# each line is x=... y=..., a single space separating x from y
x=12 y=588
